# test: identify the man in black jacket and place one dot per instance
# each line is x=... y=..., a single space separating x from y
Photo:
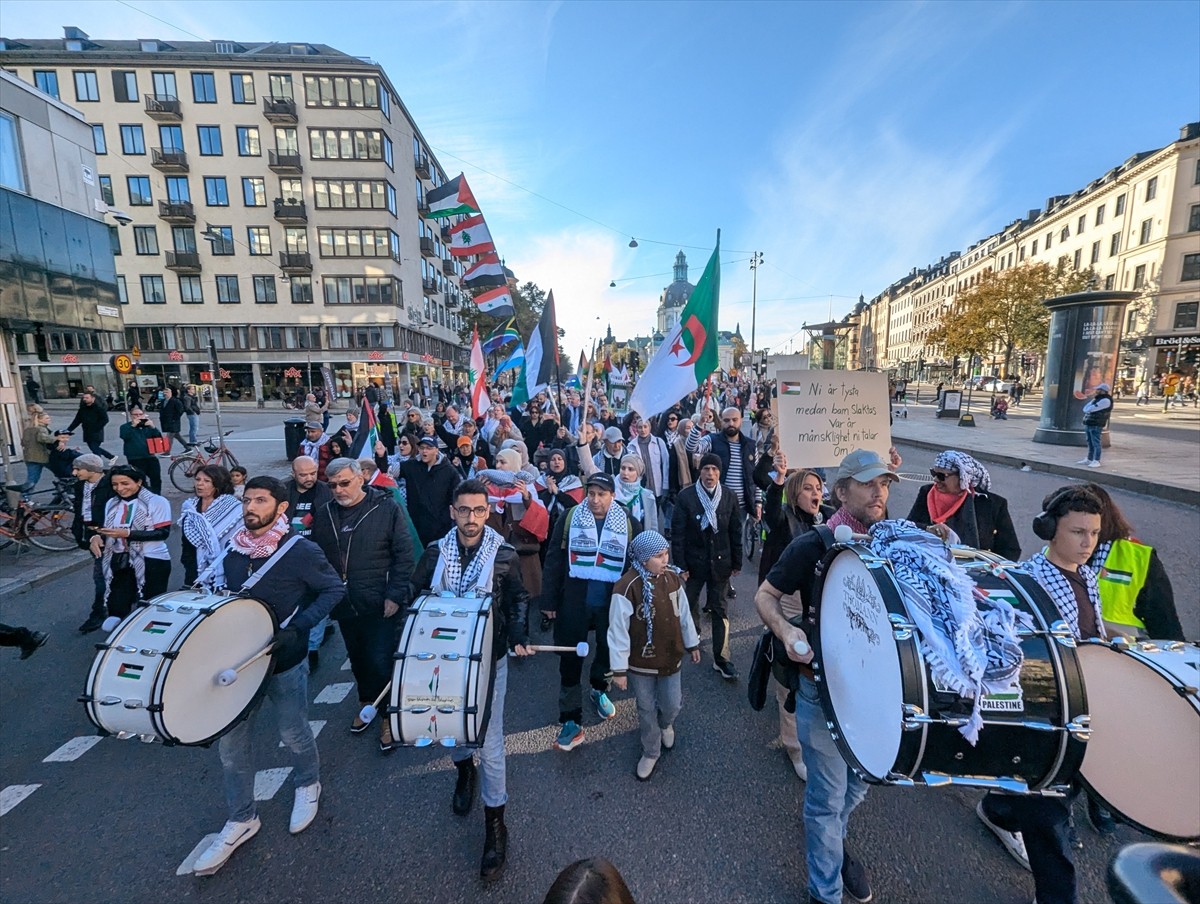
x=706 y=542
x=170 y=418
x=430 y=480
x=460 y=563
x=363 y=535
x=91 y=494
x=92 y=417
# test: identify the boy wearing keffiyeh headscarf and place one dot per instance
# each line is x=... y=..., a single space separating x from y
x=649 y=629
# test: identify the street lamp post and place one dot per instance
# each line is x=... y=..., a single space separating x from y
x=755 y=259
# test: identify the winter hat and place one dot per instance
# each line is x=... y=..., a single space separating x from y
x=646 y=545
x=711 y=458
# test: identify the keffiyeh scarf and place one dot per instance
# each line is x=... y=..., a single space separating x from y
x=597 y=559
x=1046 y=573
x=969 y=641
x=261 y=547
x=632 y=496
x=208 y=531
x=709 y=503
x=971 y=474
x=476 y=579
x=645 y=546
x=134 y=514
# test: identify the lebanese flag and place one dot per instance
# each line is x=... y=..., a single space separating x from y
x=496 y=302
x=479 y=393
x=450 y=199
x=471 y=236
x=488 y=271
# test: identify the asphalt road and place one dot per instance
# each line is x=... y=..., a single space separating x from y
x=719 y=821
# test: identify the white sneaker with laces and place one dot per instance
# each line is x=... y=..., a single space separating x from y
x=1084 y=461
x=233 y=836
x=304 y=810
x=668 y=737
x=645 y=768
x=1012 y=841
x=1093 y=464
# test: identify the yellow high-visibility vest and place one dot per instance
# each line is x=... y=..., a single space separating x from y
x=1121 y=579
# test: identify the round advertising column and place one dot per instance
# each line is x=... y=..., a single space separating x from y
x=1083 y=352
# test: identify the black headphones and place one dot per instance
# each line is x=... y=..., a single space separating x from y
x=1045 y=524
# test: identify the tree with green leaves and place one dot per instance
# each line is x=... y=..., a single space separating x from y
x=528 y=302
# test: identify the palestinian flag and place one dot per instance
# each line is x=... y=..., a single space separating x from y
x=435 y=681
x=451 y=199
x=541 y=356
x=471 y=236
x=444 y=633
x=1116 y=577
x=366 y=435
x=156 y=627
x=487 y=272
x=515 y=359
x=129 y=670
x=479 y=393
x=497 y=302
x=501 y=337
x=791 y=389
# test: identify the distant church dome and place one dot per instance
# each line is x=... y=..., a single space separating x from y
x=677 y=294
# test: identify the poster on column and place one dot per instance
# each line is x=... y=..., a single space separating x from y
x=824 y=414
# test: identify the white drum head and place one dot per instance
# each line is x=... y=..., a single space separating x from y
x=1143 y=758
x=861 y=665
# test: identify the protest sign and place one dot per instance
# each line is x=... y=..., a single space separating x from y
x=824 y=414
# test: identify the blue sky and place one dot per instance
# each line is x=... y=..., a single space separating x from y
x=848 y=142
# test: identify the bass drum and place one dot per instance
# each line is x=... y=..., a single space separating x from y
x=1143 y=760
x=892 y=722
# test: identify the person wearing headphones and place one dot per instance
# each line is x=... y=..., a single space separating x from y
x=1035 y=828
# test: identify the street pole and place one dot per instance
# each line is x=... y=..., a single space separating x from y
x=214 y=370
x=755 y=260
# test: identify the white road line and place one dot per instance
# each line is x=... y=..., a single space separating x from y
x=74 y=749
x=13 y=795
x=334 y=693
x=190 y=860
x=316 y=725
x=346 y=666
x=267 y=782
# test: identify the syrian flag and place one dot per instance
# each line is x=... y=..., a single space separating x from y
x=689 y=352
x=451 y=199
x=367 y=434
x=501 y=337
x=515 y=359
x=496 y=302
x=479 y=393
x=471 y=236
x=488 y=271
x=541 y=355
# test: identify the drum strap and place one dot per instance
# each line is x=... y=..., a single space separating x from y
x=216 y=572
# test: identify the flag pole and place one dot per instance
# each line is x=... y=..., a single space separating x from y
x=587 y=398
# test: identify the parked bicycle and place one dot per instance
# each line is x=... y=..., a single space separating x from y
x=45 y=526
x=183 y=468
x=754 y=532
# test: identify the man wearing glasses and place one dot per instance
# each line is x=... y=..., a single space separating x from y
x=473 y=558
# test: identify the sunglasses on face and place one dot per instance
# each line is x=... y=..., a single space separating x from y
x=941 y=475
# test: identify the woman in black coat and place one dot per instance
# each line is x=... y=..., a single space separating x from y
x=793 y=506
x=960 y=499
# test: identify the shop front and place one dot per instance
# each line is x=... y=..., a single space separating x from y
x=235 y=382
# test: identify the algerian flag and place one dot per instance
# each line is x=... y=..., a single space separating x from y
x=479 y=393
x=541 y=355
x=451 y=199
x=689 y=352
x=471 y=236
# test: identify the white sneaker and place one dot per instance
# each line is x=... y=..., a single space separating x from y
x=304 y=810
x=1084 y=461
x=668 y=737
x=801 y=770
x=233 y=836
x=1093 y=464
x=645 y=768
x=1012 y=841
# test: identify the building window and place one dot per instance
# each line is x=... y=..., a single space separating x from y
x=216 y=192
x=1065 y=234
x=242 y=86
x=190 y=290
x=1191 y=267
x=1152 y=188
x=254 y=191
x=1145 y=234
x=87 y=89
x=153 y=291
x=99 y=144
x=1095 y=252
x=114 y=240
x=122 y=290
x=361 y=337
x=1194 y=219
x=171 y=138
x=228 y=291
x=46 y=81
x=391 y=196
x=1033 y=250
x=280 y=85
x=295 y=240
x=291 y=191
x=248 y=142
x=1110 y=282
x=359 y=290
x=221 y=240
x=139 y=191
x=1196 y=181
x=145 y=239
x=1099 y=214
x=341 y=91
x=204 y=88
x=360 y=194
x=133 y=140
x=1114 y=246
x=302 y=292
x=1078 y=258
x=1079 y=226
x=1185 y=315
x=210 y=140
x=178 y=191
x=1049 y=236
x=164 y=85
x=387 y=152
x=260 y=240
x=1021 y=253
x=264 y=290
x=125 y=89
x=354 y=242
x=346 y=144
x=287 y=141
x=184 y=239
x=106 y=190
x=1139 y=277
x=1120 y=206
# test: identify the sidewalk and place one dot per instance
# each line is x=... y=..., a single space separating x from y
x=1152 y=452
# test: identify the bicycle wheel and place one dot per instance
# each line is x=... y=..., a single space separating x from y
x=749 y=537
x=49 y=527
x=183 y=473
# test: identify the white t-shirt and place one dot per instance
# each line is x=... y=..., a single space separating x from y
x=160 y=516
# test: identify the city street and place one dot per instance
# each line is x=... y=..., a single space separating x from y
x=719 y=820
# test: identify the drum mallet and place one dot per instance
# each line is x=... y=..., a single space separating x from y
x=580 y=649
x=843 y=533
x=371 y=710
x=228 y=676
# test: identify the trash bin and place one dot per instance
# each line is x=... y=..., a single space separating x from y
x=293 y=435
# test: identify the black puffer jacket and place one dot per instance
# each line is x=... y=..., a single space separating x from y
x=430 y=492
x=370 y=548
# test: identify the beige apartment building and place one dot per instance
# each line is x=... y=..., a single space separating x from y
x=265 y=197
x=1137 y=227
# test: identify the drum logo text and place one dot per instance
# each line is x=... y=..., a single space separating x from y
x=861 y=607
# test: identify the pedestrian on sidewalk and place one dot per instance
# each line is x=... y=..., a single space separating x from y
x=170 y=418
x=1143 y=393
x=93 y=418
x=36 y=441
x=135 y=437
x=191 y=408
x=1096 y=412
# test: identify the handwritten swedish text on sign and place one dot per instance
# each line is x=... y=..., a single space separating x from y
x=824 y=414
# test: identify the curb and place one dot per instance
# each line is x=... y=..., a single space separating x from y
x=1093 y=475
x=45 y=577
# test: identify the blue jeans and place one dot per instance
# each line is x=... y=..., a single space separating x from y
x=193 y=426
x=33 y=473
x=1093 y=441
x=830 y=796
x=289 y=693
x=493 y=787
x=316 y=636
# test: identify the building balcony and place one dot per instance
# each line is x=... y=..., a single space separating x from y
x=163 y=108
x=280 y=110
x=430 y=286
x=427 y=247
x=291 y=211
x=183 y=261
x=293 y=262
x=448 y=300
x=176 y=211
x=421 y=165
x=422 y=208
x=286 y=164
x=169 y=160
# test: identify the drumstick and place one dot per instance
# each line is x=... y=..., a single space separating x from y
x=228 y=676
x=801 y=647
x=580 y=649
x=844 y=533
x=371 y=710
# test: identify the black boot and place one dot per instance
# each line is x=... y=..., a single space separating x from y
x=495 y=844
x=464 y=788
x=95 y=620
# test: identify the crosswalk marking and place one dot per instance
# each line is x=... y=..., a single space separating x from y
x=13 y=795
x=267 y=782
x=334 y=693
x=73 y=749
x=316 y=725
x=190 y=860
x=346 y=666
